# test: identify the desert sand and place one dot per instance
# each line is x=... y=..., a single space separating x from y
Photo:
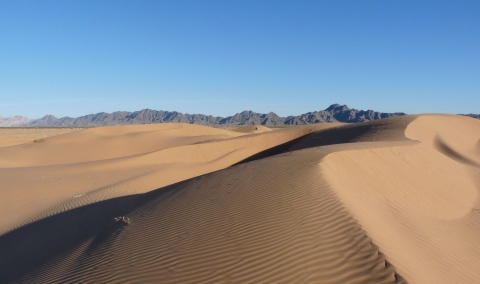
x=388 y=201
x=16 y=136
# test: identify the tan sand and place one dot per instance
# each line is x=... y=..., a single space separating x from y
x=107 y=162
x=388 y=201
x=418 y=202
x=16 y=136
x=248 y=129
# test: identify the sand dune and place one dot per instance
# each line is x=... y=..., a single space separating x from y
x=417 y=202
x=387 y=201
x=249 y=129
x=108 y=164
x=16 y=136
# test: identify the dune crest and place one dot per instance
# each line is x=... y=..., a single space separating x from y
x=417 y=202
x=455 y=137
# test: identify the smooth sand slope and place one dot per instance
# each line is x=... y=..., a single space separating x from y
x=388 y=201
x=16 y=136
x=248 y=129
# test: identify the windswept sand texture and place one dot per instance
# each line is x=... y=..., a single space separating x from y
x=386 y=201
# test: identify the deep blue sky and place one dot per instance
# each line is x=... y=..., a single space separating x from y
x=222 y=57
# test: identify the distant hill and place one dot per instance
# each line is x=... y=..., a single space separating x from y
x=14 y=121
x=477 y=116
x=335 y=112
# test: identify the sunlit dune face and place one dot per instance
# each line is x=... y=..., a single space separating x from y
x=415 y=177
x=458 y=133
x=417 y=199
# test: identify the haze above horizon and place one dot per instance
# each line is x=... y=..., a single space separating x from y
x=69 y=58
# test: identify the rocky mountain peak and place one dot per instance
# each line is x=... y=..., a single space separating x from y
x=337 y=108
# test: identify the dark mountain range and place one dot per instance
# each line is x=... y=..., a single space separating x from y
x=477 y=116
x=333 y=113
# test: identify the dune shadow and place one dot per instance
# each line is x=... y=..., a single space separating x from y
x=448 y=151
x=43 y=242
x=336 y=135
x=330 y=136
x=279 y=149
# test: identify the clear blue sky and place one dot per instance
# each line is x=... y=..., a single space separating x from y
x=222 y=57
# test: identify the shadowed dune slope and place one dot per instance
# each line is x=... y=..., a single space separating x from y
x=272 y=220
x=387 y=201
